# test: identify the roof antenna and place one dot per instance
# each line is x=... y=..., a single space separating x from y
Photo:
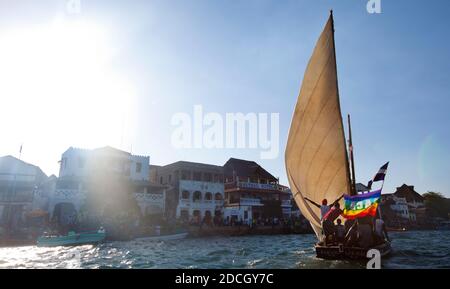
x=20 y=151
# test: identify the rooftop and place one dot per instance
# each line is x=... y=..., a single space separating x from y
x=245 y=168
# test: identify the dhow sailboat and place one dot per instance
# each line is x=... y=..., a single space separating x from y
x=316 y=157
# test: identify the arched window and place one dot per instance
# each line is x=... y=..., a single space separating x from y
x=197 y=196
x=208 y=196
x=185 y=195
x=218 y=196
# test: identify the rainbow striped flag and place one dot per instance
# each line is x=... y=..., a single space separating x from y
x=359 y=206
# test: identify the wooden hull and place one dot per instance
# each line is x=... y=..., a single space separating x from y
x=350 y=253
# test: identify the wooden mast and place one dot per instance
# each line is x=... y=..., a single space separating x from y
x=352 y=177
x=352 y=161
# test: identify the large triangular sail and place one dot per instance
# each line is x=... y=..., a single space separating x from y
x=316 y=156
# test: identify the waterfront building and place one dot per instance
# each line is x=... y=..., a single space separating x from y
x=104 y=179
x=407 y=204
x=415 y=202
x=398 y=205
x=195 y=190
x=253 y=193
x=18 y=183
x=413 y=198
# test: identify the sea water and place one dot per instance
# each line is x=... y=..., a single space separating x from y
x=413 y=249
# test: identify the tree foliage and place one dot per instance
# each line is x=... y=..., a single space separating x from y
x=437 y=205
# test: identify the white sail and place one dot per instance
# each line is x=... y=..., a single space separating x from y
x=316 y=156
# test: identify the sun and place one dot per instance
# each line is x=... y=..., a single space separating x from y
x=59 y=88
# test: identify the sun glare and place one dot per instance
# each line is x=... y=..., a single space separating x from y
x=59 y=88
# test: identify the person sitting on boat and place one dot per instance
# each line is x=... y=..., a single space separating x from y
x=340 y=231
x=324 y=208
x=328 y=221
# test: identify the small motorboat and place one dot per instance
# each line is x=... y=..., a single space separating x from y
x=393 y=229
x=72 y=239
x=340 y=252
x=167 y=237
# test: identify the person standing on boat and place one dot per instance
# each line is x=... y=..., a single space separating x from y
x=340 y=231
x=380 y=230
x=365 y=232
x=324 y=208
x=328 y=226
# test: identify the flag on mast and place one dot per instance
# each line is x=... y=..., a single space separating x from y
x=379 y=176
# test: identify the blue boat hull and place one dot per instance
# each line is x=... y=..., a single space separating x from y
x=71 y=239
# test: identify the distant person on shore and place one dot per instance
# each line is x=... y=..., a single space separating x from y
x=324 y=208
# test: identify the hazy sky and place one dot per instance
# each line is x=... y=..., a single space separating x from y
x=115 y=74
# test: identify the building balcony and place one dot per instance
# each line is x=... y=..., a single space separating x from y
x=254 y=186
x=250 y=202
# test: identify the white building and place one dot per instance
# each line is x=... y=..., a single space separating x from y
x=400 y=207
x=81 y=168
x=195 y=190
x=199 y=199
x=18 y=182
x=406 y=203
x=83 y=163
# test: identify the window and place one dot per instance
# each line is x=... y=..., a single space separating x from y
x=185 y=195
x=208 y=196
x=138 y=167
x=170 y=178
x=161 y=180
x=218 y=196
x=197 y=196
